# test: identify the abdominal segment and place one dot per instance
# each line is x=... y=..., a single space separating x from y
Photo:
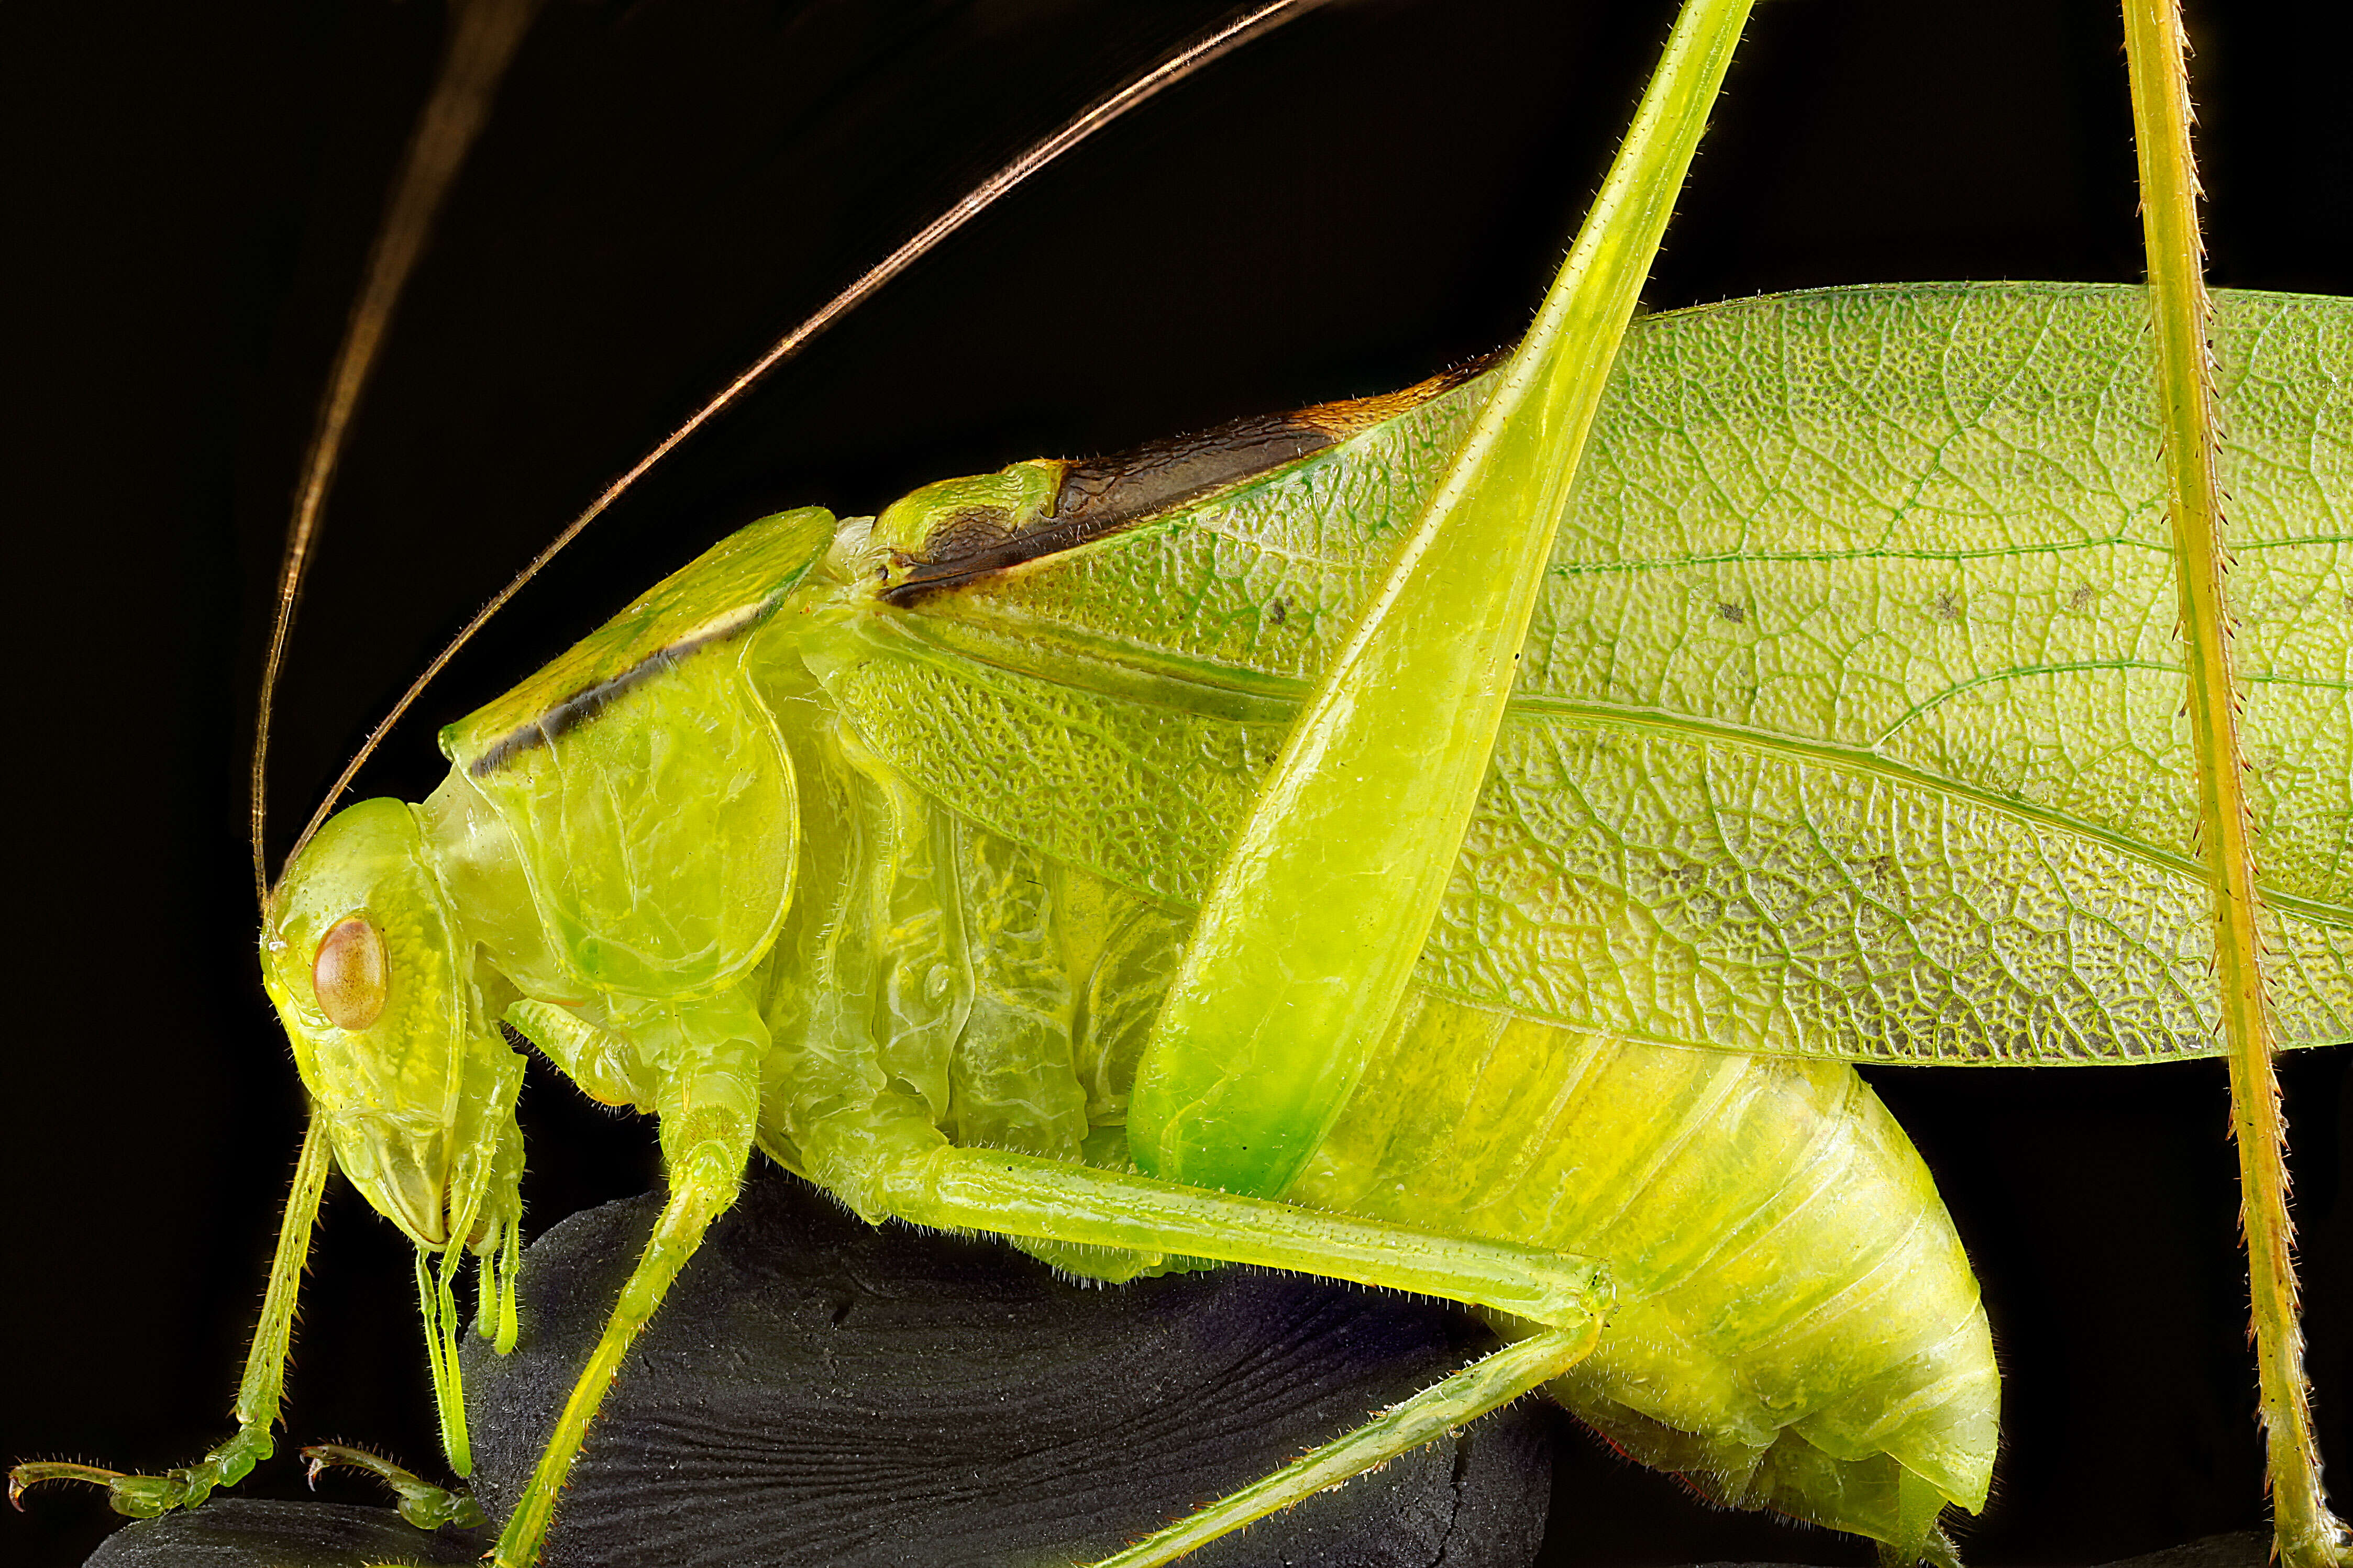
x=1796 y=1324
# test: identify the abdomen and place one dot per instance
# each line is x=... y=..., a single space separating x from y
x=1796 y=1323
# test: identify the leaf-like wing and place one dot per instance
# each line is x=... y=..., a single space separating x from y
x=1850 y=722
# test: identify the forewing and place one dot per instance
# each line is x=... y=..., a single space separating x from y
x=1849 y=725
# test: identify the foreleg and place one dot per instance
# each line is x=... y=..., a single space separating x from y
x=708 y=1101
x=258 y=1394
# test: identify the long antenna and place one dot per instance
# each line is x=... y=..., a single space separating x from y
x=483 y=36
x=1253 y=23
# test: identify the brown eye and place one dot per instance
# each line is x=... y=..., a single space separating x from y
x=348 y=975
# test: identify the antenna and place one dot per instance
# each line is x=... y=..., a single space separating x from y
x=1254 y=22
x=483 y=36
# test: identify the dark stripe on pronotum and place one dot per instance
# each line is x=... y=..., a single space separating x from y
x=1102 y=496
x=570 y=713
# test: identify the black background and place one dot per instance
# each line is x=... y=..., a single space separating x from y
x=1371 y=193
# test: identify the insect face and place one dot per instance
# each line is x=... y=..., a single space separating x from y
x=376 y=988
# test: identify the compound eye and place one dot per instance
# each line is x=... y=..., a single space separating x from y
x=349 y=973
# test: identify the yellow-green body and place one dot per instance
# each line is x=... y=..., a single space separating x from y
x=1413 y=842
x=1845 y=730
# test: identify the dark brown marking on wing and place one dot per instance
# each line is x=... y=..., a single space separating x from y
x=1356 y=415
x=1103 y=496
x=568 y=714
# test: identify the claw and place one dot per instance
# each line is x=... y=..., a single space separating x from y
x=421 y=1503
x=140 y=1497
x=24 y=1476
x=135 y=1497
x=146 y=1497
x=326 y=1456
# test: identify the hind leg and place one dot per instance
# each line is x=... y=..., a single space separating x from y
x=1482 y=1386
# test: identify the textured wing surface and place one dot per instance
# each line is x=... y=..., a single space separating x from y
x=1850 y=720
